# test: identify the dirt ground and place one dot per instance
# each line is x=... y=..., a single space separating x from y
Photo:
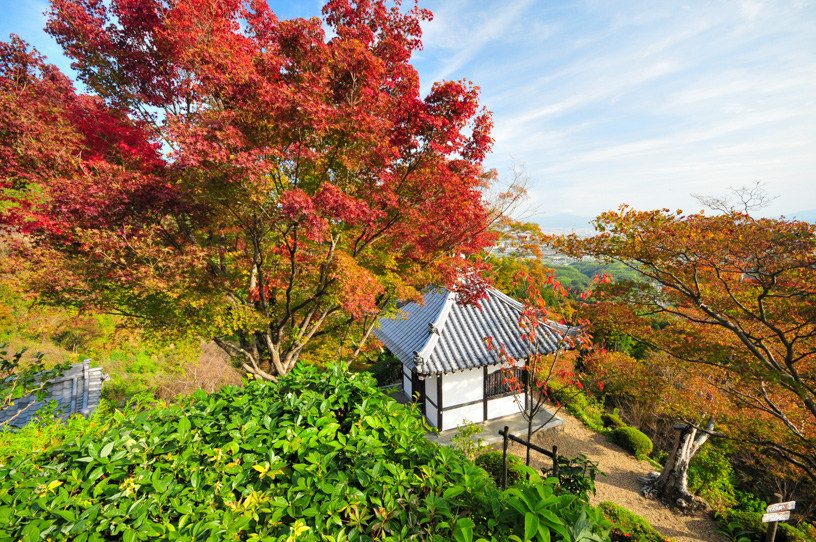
x=620 y=485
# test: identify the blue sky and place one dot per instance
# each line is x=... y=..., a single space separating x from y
x=610 y=102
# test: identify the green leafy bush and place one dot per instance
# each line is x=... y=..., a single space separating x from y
x=463 y=440
x=611 y=420
x=492 y=462
x=743 y=500
x=632 y=440
x=576 y=475
x=320 y=455
x=584 y=407
x=733 y=531
x=629 y=526
x=785 y=532
x=711 y=476
x=748 y=521
x=387 y=369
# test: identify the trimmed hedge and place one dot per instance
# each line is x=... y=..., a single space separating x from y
x=633 y=440
x=517 y=471
x=612 y=421
x=630 y=526
x=752 y=521
x=319 y=455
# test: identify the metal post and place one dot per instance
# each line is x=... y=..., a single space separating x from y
x=770 y=534
x=504 y=456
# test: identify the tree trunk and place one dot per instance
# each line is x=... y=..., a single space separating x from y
x=671 y=486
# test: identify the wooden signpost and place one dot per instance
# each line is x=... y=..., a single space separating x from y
x=779 y=511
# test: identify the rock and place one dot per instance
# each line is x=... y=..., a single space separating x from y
x=681 y=504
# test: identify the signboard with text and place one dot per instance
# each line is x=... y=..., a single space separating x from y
x=776 y=516
x=782 y=506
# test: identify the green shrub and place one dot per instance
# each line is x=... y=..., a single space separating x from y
x=576 y=475
x=463 y=440
x=584 y=407
x=387 y=369
x=319 y=455
x=743 y=500
x=629 y=526
x=712 y=477
x=492 y=462
x=611 y=420
x=632 y=440
x=786 y=532
x=748 y=521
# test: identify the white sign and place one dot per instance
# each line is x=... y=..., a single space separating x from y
x=782 y=506
x=776 y=516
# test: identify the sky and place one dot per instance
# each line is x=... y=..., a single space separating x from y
x=605 y=103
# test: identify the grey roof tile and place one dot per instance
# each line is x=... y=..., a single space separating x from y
x=68 y=391
x=462 y=330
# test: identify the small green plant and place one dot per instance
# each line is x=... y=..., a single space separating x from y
x=733 y=531
x=576 y=475
x=493 y=463
x=632 y=440
x=464 y=442
x=629 y=526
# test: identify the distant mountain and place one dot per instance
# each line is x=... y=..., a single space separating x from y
x=562 y=221
x=807 y=216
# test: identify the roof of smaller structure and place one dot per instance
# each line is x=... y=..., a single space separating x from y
x=442 y=336
x=77 y=391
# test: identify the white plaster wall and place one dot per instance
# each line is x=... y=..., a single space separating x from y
x=503 y=406
x=462 y=387
x=430 y=389
x=406 y=385
x=431 y=413
x=455 y=417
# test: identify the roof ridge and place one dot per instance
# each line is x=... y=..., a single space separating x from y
x=435 y=329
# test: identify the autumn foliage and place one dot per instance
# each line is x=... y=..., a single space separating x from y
x=731 y=301
x=248 y=178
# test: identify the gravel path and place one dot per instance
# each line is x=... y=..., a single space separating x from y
x=620 y=485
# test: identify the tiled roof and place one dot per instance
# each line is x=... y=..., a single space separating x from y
x=78 y=390
x=442 y=336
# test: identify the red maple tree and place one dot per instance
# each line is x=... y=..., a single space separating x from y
x=307 y=183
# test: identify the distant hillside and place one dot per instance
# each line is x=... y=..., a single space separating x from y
x=807 y=216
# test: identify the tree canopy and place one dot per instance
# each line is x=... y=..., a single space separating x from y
x=734 y=298
x=250 y=178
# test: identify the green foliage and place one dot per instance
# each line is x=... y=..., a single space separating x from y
x=751 y=528
x=611 y=420
x=19 y=378
x=733 y=531
x=387 y=369
x=320 y=455
x=463 y=440
x=632 y=440
x=747 y=521
x=581 y=405
x=492 y=462
x=748 y=502
x=576 y=475
x=48 y=431
x=629 y=526
x=711 y=476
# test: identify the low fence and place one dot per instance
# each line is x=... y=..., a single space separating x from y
x=505 y=433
